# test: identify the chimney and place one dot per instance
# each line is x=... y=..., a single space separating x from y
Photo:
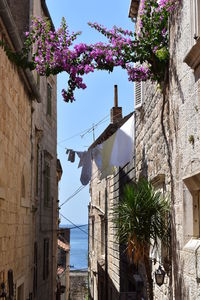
x=115 y=112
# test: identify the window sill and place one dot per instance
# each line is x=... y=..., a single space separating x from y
x=2 y=193
x=25 y=202
x=192 y=59
x=193 y=245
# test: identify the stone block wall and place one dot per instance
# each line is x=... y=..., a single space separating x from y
x=115 y=281
x=181 y=124
x=25 y=221
x=15 y=175
x=44 y=133
x=185 y=125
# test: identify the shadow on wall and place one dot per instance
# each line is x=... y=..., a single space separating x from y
x=131 y=283
x=180 y=289
x=109 y=291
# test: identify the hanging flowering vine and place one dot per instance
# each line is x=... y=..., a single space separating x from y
x=54 y=52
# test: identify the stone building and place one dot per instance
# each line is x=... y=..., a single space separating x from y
x=63 y=265
x=28 y=178
x=110 y=275
x=167 y=151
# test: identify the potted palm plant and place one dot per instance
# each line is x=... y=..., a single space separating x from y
x=140 y=219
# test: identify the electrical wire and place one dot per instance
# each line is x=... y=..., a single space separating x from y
x=95 y=222
x=78 y=226
x=77 y=191
x=82 y=187
x=81 y=229
x=86 y=131
x=95 y=125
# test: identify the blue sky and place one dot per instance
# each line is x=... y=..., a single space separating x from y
x=92 y=104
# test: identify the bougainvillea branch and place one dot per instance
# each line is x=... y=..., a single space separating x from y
x=54 y=52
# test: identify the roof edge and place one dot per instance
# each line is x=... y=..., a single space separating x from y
x=133 y=9
x=46 y=11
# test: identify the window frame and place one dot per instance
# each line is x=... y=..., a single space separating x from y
x=103 y=239
x=47 y=183
x=46 y=259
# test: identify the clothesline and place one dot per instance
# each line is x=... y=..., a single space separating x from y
x=116 y=151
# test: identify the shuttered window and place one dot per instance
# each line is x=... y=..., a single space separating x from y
x=102 y=236
x=46 y=259
x=138 y=94
x=47 y=190
x=37 y=170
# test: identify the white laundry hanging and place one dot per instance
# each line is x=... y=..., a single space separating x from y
x=116 y=151
x=123 y=146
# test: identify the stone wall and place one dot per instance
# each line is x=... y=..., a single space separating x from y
x=15 y=175
x=28 y=137
x=44 y=134
x=120 y=271
x=181 y=124
x=78 y=285
x=185 y=126
x=109 y=270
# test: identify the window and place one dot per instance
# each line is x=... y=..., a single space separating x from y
x=192 y=58
x=37 y=170
x=195 y=21
x=20 y=292
x=138 y=94
x=102 y=236
x=10 y=284
x=191 y=198
x=46 y=259
x=35 y=269
x=47 y=193
x=23 y=187
x=49 y=99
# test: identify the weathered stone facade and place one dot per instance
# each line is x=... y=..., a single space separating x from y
x=28 y=182
x=110 y=275
x=15 y=179
x=172 y=163
x=78 y=285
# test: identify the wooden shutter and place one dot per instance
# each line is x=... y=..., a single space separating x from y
x=138 y=94
x=46 y=259
x=10 y=284
x=47 y=184
x=37 y=170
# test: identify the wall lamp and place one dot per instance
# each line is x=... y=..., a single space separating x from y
x=160 y=276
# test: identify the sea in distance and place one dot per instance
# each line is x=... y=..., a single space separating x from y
x=78 y=246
